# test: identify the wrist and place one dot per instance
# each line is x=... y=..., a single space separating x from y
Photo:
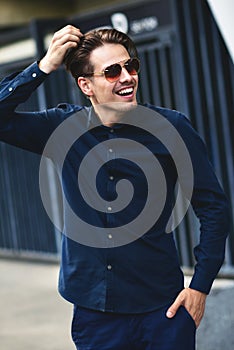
x=196 y=291
x=45 y=66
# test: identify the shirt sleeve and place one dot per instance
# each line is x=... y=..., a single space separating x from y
x=27 y=130
x=210 y=206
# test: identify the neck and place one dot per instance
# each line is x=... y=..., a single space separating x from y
x=113 y=113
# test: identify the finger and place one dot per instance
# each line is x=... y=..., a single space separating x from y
x=69 y=29
x=66 y=39
x=173 y=308
x=197 y=315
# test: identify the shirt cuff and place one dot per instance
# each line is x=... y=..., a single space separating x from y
x=201 y=282
x=34 y=71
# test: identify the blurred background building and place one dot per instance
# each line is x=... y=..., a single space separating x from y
x=186 y=65
x=15 y=12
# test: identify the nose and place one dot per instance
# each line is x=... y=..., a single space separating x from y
x=125 y=76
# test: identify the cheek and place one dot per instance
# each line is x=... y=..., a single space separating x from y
x=103 y=94
x=105 y=91
x=136 y=80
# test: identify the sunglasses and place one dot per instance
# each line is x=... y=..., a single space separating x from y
x=113 y=72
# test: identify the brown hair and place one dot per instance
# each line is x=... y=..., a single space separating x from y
x=77 y=60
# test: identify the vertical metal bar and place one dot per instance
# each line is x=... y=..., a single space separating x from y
x=208 y=88
x=165 y=78
x=177 y=80
x=10 y=203
x=188 y=70
x=144 y=86
x=154 y=83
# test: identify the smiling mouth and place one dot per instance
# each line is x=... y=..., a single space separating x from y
x=125 y=92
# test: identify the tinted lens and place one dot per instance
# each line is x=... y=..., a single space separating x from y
x=132 y=66
x=112 y=73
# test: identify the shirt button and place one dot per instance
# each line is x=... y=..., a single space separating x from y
x=109 y=267
x=34 y=75
x=109 y=208
x=110 y=150
x=110 y=236
x=10 y=89
x=111 y=178
x=112 y=130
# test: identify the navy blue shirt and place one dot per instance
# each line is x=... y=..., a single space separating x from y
x=144 y=274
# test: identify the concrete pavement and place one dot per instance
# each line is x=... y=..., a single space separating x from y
x=33 y=316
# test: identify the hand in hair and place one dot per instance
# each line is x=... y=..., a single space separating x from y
x=64 y=39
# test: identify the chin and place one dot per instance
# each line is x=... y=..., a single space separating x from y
x=121 y=107
x=113 y=112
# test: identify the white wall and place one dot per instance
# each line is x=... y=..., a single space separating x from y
x=223 y=11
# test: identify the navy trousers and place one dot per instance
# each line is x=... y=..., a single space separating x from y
x=94 y=330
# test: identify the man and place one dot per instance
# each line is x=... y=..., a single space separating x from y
x=132 y=295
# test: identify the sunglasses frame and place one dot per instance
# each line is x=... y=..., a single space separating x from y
x=122 y=64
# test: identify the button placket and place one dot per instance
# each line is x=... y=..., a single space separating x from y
x=111 y=156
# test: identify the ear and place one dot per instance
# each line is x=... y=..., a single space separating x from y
x=85 y=86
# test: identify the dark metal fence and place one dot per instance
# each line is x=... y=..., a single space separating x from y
x=185 y=66
x=207 y=73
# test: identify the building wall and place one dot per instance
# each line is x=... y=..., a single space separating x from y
x=14 y=12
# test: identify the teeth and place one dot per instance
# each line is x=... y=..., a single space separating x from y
x=126 y=91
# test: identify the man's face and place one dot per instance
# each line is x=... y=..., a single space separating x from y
x=101 y=90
